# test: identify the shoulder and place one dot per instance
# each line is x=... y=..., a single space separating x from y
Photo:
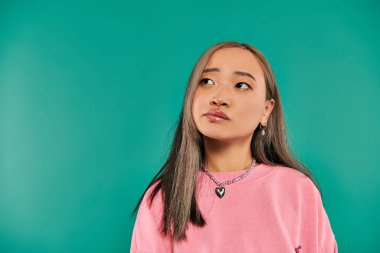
x=289 y=173
x=151 y=211
x=295 y=182
x=147 y=195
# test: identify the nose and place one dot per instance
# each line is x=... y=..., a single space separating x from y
x=219 y=102
x=219 y=97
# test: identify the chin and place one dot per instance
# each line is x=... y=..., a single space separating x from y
x=222 y=135
x=217 y=135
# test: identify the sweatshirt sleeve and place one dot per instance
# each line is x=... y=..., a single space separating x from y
x=317 y=234
x=146 y=237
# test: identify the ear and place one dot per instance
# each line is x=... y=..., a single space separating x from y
x=269 y=105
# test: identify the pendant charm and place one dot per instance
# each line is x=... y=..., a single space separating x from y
x=220 y=191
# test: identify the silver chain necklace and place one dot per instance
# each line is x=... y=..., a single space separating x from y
x=220 y=190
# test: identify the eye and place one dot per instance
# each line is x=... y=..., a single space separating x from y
x=204 y=80
x=247 y=85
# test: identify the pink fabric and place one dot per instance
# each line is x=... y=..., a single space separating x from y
x=273 y=209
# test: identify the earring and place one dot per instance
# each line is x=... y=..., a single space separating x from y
x=263 y=132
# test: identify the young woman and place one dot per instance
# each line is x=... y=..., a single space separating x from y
x=230 y=183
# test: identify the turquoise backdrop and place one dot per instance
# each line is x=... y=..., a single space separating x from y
x=90 y=92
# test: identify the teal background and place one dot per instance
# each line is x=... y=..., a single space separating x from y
x=90 y=92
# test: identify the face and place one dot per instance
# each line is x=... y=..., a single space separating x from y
x=232 y=82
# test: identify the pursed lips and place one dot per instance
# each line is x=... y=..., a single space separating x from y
x=217 y=113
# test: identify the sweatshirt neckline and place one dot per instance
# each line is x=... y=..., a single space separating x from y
x=207 y=185
x=229 y=174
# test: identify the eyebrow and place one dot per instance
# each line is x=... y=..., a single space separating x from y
x=240 y=73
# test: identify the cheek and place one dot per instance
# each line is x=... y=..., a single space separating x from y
x=198 y=98
x=250 y=106
x=249 y=114
x=196 y=105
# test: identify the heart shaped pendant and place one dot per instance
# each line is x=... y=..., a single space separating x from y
x=220 y=191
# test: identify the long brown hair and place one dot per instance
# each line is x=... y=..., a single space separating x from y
x=177 y=177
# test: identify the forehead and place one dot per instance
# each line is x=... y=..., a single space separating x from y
x=232 y=59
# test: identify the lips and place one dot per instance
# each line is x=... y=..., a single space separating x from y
x=217 y=113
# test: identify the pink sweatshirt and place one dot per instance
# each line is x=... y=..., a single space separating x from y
x=273 y=209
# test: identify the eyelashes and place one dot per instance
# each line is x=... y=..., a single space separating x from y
x=204 y=80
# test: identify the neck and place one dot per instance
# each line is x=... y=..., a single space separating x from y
x=227 y=156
